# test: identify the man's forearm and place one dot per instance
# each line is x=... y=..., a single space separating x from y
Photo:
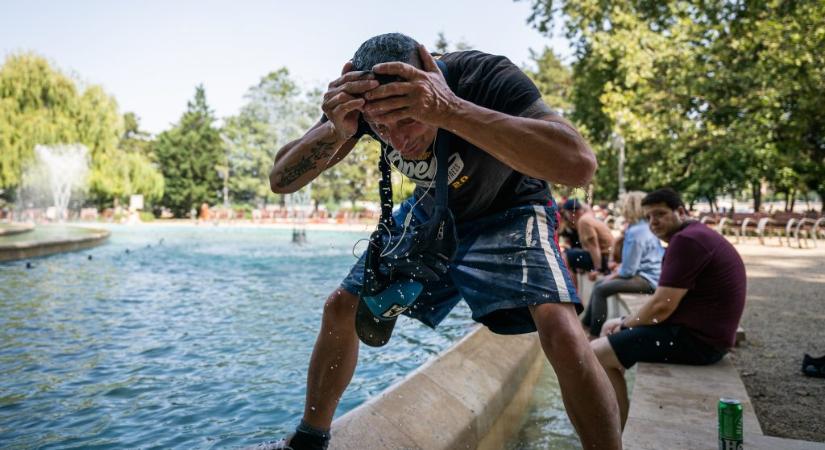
x=549 y=149
x=301 y=161
x=595 y=253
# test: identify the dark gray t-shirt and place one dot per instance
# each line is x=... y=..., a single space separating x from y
x=479 y=183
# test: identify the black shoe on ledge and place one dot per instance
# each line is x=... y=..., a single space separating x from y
x=813 y=367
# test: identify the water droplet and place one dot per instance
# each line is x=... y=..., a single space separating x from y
x=657 y=343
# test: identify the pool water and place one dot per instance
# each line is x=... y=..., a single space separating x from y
x=174 y=337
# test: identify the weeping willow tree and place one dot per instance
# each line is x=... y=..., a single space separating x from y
x=40 y=105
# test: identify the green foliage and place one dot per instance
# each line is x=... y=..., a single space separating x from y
x=40 y=105
x=710 y=98
x=188 y=155
x=442 y=45
x=354 y=178
x=553 y=79
x=276 y=112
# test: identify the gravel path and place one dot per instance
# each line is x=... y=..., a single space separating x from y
x=784 y=319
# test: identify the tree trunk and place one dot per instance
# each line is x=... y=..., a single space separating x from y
x=821 y=202
x=757 y=196
x=793 y=199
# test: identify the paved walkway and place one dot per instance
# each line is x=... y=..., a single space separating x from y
x=784 y=318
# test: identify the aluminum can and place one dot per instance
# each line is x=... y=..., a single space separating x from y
x=730 y=424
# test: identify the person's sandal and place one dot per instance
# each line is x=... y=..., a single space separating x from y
x=813 y=367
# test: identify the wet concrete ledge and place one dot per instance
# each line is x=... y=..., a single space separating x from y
x=474 y=395
x=15 y=228
x=49 y=246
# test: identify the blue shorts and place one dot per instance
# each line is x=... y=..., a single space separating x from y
x=505 y=262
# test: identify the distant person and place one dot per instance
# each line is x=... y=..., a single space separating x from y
x=639 y=269
x=503 y=145
x=568 y=236
x=595 y=237
x=693 y=315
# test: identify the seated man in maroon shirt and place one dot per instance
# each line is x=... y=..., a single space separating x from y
x=693 y=315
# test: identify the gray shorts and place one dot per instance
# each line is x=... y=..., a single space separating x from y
x=505 y=262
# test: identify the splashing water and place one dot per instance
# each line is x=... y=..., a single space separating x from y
x=60 y=169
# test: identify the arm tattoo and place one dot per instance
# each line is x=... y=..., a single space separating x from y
x=537 y=110
x=321 y=150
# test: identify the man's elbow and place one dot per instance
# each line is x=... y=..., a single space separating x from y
x=584 y=168
x=662 y=310
x=276 y=184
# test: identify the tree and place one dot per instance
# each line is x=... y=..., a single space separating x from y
x=442 y=45
x=39 y=105
x=710 y=98
x=188 y=155
x=138 y=163
x=276 y=112
x=553 y=79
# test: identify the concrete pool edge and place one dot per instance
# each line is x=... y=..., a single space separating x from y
x=473 y=395
x=33 y=249
x=15 y=228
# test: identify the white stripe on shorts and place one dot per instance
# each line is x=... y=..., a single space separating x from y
x=550 y=254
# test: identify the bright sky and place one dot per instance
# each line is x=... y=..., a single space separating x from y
x=151 y=54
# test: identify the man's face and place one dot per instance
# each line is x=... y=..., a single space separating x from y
x=410 y=137
x=664 y=222
x=572 y=217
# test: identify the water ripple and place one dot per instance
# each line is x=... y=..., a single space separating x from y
x=201 y=341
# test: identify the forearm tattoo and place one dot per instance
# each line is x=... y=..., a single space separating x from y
x=537 y=110
x=320 y=151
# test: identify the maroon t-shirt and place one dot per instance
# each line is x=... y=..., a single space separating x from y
x=706 y=264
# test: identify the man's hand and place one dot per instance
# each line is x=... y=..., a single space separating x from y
x=592 y=275
x=612 y=326
x=423 y=96
x=344 y=100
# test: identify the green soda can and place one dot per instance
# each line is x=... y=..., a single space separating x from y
x=730 y=424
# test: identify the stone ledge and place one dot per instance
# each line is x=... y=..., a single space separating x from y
x=468 y=397
x=674 y=406
x=33 y=249
x=17 y=228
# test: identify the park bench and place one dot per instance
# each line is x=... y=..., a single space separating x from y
x=710 y=219
x=743 y=225
x=818 y=230
x=802 y=228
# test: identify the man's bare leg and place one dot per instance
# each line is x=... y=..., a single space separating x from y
x=333 y=359
x=615 y=372
x=585 y=388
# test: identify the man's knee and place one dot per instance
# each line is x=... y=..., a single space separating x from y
x=340 y=307
x=605 y=353
x=558 y=326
